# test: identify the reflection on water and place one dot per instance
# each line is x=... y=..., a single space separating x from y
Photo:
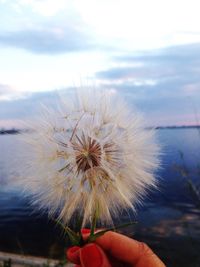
x=169 y=222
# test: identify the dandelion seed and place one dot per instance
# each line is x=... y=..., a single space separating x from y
x=96 y=153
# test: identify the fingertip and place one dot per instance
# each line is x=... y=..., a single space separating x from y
x=92 y=255
x=73 y=254
x=85 y=231
x=148 y=258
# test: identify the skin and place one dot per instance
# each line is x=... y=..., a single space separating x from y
x=113 y=250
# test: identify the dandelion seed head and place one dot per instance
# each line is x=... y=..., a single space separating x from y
x=91 y=153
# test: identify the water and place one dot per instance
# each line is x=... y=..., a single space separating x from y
x=168 y=222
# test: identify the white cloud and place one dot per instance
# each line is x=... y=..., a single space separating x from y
x=44 y=7
x=142 y=24
x=6 y=92
x=9 y=93
x=47 y=40
x=129 y=24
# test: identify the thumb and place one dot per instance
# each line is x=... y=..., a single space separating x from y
x=73 y=254
x=92 y=255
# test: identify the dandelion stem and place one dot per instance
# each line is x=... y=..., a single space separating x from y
x=100 y=233
x=94 y=220
x=94 y=223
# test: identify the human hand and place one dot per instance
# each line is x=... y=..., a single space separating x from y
x=113 y=250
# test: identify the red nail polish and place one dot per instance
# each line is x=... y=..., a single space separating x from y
x=85 y=231
x=91 y=256
x=73 y=254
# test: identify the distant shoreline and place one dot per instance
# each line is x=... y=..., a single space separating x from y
x=179 y=127
x=10 y=131
x=18 y=131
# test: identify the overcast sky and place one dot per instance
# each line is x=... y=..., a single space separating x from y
x=147 y=51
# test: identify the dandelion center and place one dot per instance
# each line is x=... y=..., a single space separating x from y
x=87 y=152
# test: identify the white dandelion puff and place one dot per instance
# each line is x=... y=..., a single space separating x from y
x=92 y=153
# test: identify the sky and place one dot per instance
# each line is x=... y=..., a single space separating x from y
x=148 y=52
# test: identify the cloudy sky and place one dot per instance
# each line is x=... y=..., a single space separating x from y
x=147 y=51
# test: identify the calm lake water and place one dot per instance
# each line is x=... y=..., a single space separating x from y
x=169 y=221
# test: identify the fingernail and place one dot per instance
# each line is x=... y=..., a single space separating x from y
x=73 y=254
x=85 y=231
x=91 y=256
